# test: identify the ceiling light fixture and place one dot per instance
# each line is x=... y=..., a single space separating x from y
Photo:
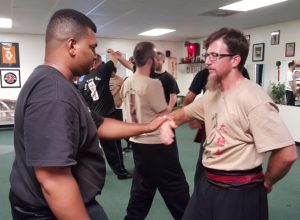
x=5 y=23
x=275 y=33
x=247 y=5
x=157 y=32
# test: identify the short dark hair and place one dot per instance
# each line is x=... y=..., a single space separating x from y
x=159 y=53
x=142 y=52
x=65 y=23
x=235 y=40
x=291 y=63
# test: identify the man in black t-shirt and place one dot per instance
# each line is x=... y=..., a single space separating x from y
x=59 y=168
x=95 y=89
x=167 y=80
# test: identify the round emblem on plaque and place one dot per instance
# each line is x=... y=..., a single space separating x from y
x=10 y=78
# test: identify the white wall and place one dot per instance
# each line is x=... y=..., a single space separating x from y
x=31 y=49
x=289 y=32
x=290 y=116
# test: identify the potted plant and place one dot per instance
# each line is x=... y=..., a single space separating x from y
x=278 y=92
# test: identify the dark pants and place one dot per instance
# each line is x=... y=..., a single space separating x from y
x=213 y=202
x=290 y=97
x=23 y=211
x=199 y=166
x=157 y=167
x=113 y=149
x=118 y=114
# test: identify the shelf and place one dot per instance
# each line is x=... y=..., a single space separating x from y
x=190 y=63
x=191 y=67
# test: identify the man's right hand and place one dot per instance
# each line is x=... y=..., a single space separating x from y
x=166 y=132
x=157 y=122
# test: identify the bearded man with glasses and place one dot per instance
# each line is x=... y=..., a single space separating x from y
x=240 y=130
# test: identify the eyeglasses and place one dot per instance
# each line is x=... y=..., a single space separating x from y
x=215 y=56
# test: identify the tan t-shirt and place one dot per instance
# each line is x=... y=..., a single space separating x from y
x=143 y=100
x=112 y=86
x=241 y=125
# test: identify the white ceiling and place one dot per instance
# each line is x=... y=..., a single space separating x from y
x=127 y=18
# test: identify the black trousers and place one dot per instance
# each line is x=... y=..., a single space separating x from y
x=199 y=166
x=157 y=167
x=290 y=97
x=118 y=114
x=113 y=148
x=213 y=202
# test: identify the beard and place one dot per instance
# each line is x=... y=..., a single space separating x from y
x=213 y=83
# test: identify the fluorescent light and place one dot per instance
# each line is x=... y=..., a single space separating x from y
x=247 y=5
x=275 y=33
x=5 y=23
x=157 y=32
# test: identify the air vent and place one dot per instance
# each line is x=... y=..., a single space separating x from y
x=219 y=13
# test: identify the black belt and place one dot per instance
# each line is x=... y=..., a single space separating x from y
x=236 y=180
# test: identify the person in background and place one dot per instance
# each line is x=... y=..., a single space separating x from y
x=95 y=90
x=290 y=84
x=59 y=167
x=115 y=84
x=156 y=166
x=297 y=80
x=239 y=133
x=129 y=64
x=167 y=80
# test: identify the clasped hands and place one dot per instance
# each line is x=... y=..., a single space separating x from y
x=167 y=130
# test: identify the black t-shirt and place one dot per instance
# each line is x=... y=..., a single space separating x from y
x=168 y=82
x=54 y=128
x=199 y=82
x=96 y=92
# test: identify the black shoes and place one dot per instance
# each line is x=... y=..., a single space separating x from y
x=123 y=174
x=127 y=150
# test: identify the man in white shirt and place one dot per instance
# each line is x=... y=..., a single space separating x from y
x=290 y=84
